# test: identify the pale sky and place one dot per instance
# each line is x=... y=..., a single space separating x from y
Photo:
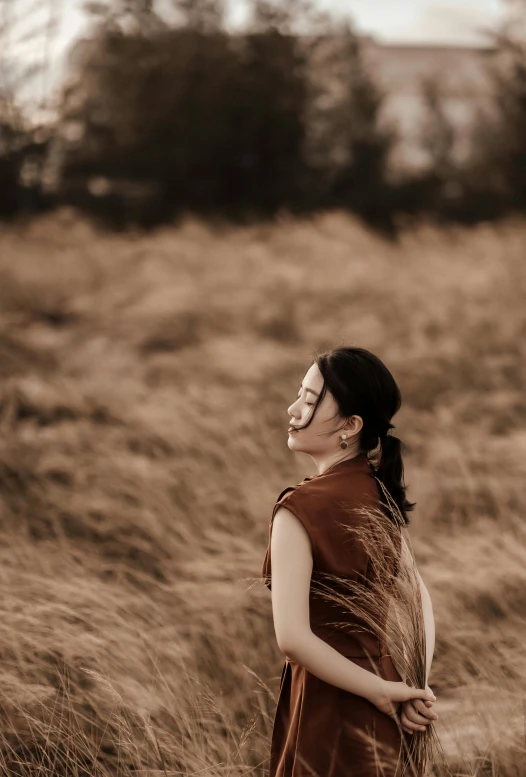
x=457 y=21
x=411 y=21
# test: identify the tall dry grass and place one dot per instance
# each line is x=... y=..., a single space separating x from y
x=145 y=382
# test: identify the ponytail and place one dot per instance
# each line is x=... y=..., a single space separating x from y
x=390 y=471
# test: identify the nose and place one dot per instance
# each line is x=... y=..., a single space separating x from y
x=290 y=411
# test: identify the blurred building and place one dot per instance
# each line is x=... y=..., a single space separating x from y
x=422 y=85
x=460 y=76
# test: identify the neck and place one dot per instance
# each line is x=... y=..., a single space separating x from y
x=325 y=462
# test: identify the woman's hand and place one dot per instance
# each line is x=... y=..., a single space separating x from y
x=416 y=714
x=390 y=695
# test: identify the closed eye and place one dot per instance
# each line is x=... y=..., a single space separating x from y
x=307 y=403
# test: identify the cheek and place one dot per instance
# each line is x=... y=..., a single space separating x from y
x=318 y=423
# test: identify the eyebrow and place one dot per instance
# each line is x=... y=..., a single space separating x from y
x=311 y=390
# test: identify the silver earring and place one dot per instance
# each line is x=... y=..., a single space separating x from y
x=344 y=444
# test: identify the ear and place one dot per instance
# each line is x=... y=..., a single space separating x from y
x=354 y=424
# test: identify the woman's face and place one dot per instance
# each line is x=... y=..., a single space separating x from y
x=315 y=439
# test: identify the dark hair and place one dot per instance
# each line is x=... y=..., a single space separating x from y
x=362 y=385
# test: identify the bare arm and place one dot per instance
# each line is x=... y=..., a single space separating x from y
x=395 y=636
x=427 y=608
x=291 y=555
x=429 y=624
x=416 y=714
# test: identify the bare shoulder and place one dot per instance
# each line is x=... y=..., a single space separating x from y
x=287 y=520
x=292 y=531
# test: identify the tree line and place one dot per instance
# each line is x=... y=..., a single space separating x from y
x=160 y=116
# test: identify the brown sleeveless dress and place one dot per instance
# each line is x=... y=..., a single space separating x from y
x=318 y=727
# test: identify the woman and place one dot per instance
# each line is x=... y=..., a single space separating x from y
x=343 y=709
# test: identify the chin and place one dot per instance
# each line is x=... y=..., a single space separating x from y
x=292 y=444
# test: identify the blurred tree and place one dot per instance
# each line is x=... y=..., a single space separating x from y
x=9 y=135
x=491 y=180
x=132 y=16
x=361 y=181
x=438 y=184
x=26 y=34
x=509 y=150
x=216 y=119
x=203 y=16
x=290 y=17
x=496 y=174
x=437 y=131
x=217 y=122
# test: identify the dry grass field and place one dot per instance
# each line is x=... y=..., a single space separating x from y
x=145 y=381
